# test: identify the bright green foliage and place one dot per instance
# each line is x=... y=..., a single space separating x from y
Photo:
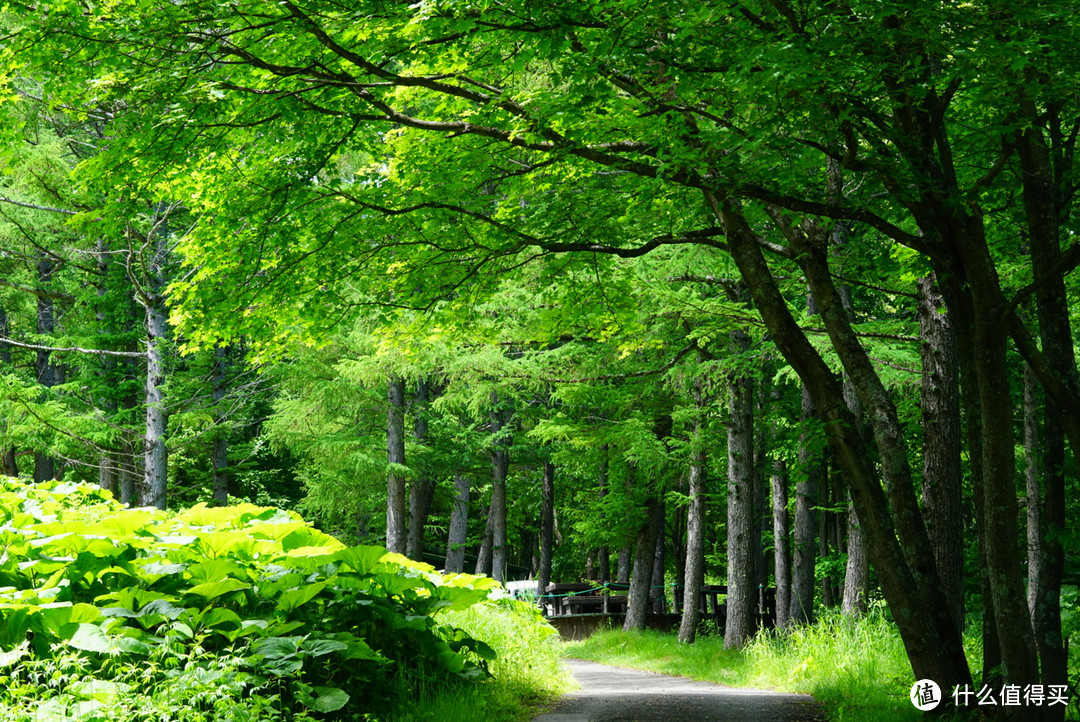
x=128 y=609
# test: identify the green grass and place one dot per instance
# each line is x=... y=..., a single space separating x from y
x=856 y=668
x=526 y=674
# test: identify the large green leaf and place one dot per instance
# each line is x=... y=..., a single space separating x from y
x=324 y=699
x=212 y=590
x=293 y=598
x=90 y=638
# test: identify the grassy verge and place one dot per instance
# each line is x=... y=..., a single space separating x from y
x=525 y=675
x=856 y=668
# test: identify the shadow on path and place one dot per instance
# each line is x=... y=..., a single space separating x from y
x=610 y=693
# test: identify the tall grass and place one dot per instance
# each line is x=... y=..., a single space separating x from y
x=525 y=675
x=856 y=667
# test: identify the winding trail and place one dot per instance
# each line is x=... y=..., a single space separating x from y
x=610 y=694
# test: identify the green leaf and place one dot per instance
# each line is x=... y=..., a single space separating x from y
x=294 y=598
x=319 y=647
x=212 y=590
x=90 y=638
x=326 y=699
x=361 y=558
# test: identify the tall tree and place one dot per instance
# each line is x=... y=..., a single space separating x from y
x=396 y=518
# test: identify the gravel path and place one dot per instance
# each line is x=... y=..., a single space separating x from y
x=609 y=694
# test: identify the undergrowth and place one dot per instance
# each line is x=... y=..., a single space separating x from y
x=856 y=667
x=242 y=613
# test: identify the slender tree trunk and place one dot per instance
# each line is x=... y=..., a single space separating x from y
x=483 y=557
x=603 y=554
x=8 y=464
x=156 y=460
x=693 y=577
x=622 y=574
x=396 y=524
x=857 y=573
x=47 y=373
x=221 y=438
x=500 y=470
x=741 y=519
x=658 y=589
x=1047 y=170
x=781 y=547
x=129 y=474
x=941 y=484
x=637 y=605
x=806 y=492
x=422 y=490
x=547 y=524
x=459 y=523
x=1033 y=473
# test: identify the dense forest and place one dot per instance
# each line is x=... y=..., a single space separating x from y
x=765 y=294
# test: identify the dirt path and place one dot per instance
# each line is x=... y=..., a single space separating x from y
x=609 y=694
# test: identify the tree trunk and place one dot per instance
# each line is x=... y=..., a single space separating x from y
x=155 y=469
x=603 y=553
x=395 y=478
x=220 y=451
x=941 y=483
x=500 y=470
x=459 y=523
x=741 y=518
x=781 y=547
x=483 y=556
x=1033 y=482
x=8 y=464
x=693 y=577
x=1046 y=167
x=422 y=490
x=658 y=589
x=857 y=572
x=806 y=492
x=47 y=373
x=637 y=605
x=547 y=525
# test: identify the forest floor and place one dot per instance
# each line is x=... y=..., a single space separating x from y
x=613 y=693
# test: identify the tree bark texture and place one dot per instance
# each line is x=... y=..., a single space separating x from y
x=155 y=465
x=547 y=525
x=422 y=490
x=1046 y=161
x=1033 y=483
x=742 y=521
x=781 y=546
x=500 y=470
x=483 y=556
x=942 y=491
x=396 y=519
x=459 y=523
x=857 y=572
x=693 y=576
x=8 y=464
x=811 y=469
x=46 y=372
x=637 y=605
